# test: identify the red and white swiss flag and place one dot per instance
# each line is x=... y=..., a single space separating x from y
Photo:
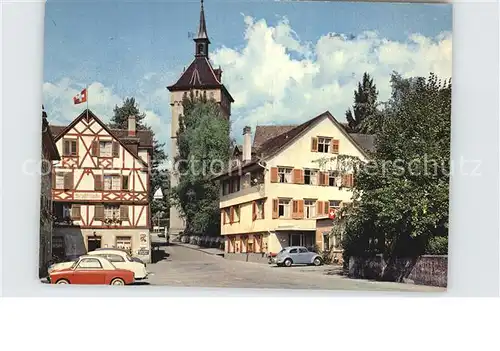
x=331 y=214
x=79 y=98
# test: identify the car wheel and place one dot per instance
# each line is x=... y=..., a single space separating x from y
x=288 y=262
x=317 y=261
x=62 y=281
x=117 y=281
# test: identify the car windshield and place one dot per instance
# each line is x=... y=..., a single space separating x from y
x=129 y=258
x=282 y=250
x=74 y=264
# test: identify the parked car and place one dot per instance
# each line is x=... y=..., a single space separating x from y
x=135 y=259
x=121 y=259
x=297 y=255
x=92 y=270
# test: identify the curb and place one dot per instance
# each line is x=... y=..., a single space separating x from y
x=199 y=249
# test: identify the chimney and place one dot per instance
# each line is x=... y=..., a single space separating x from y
x=247 y=144
x=131 y=126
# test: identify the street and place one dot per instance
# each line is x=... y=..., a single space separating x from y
x=184 y=266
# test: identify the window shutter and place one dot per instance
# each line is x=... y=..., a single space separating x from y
x=125 y=182
x=326 y=207
x=95 y=148
x=295 y=208
x=53 y=176
x=123 y=212
x=314 y=144
x=254 y=210
x=322 y=180
x=319 y=207
x=297 y=176
x=116 y=149
x=97 y=182
x=345 y=180
x=99 y=212
x=66 y=147
x=300 y=208
x=68 y=180
x=274 y=174
x=231 y=215
x=334 y=146
x=352 y=180
x=223 y=214
x=76 y=212
x=263 y=203
x=275 y=208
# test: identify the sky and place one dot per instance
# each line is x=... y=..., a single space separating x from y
x=283 y=62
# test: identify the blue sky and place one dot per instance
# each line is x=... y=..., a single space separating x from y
x=127 y=48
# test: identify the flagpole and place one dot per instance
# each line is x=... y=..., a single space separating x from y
x=87 y=92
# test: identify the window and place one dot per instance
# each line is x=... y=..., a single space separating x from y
x=111 y=211
x=259 y=206
x=70 y=147
x=112 y=182
x=297 y=240
x=334 y=204
x=89 y=263
x=293 y=251
x=225 y=187
x=326 y=241
x=303 y=250
x=285 y=175
x=114 y=258
x=284 y=208
x=310 y=177
x=310 y=208
x=105 y=148
x=66 y=211
x=124 y=243
x=235 y=185
x=59 y=180
x=250 y=247
x=332 y=178
x=324 y=145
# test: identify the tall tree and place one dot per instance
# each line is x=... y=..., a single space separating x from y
x=365 y=106
x=403 y=210
x=159 y=175
x=203 y=141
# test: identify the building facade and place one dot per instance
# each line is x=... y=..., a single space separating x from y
x=201 y=79
x=283 y=185
x=101 y=187
x=49 y=154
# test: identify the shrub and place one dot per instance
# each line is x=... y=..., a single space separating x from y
x=437 y=245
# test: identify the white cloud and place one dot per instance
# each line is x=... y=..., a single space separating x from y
x=277 y=78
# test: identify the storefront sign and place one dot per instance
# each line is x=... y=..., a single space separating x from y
x=143 y=252
x=88 y=196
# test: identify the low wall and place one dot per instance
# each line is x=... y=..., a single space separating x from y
x=425 y=270
x=247 y=257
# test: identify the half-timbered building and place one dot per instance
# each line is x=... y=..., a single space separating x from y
x=100 y=187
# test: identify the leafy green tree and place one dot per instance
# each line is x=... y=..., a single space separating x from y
x=365 y=106
x=405 y=187
x=204 y=144
x=159 y=176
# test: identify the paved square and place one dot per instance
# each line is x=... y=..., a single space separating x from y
x=188 y=267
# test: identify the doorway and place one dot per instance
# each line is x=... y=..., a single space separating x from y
x=93 y=242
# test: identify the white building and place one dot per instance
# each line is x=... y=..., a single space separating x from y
x=100 y=187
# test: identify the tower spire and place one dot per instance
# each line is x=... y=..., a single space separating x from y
x=201 y=39
x=202 y=28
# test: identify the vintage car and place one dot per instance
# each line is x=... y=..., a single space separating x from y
x=293 y=255
x=92 y=270
x=120 y=258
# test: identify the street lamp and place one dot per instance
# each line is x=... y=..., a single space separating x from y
x=158 y=195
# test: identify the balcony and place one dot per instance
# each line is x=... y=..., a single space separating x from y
x=245 y=194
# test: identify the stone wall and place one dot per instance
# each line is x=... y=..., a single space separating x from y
x=247 y=257
x=425 y=270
